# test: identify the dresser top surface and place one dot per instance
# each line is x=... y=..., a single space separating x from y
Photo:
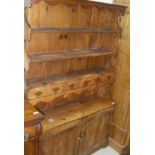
x=72 y=112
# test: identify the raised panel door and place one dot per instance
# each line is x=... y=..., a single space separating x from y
x=94 y=132
x=64 y=142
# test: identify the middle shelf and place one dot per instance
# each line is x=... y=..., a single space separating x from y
x=55 y=56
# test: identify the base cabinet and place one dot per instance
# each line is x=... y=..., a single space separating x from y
x=80 y=137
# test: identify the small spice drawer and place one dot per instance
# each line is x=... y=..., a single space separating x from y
x=90 y=91
x=88 y=82
x=38 y=92
x=57 y=88
x=106 y=77
x=71 y=85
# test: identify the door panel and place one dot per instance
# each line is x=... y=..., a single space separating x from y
x=62 y=143
x=94 y=132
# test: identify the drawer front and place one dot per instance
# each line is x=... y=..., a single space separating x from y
x=71 y=85
x=88 y=82
x=57 y=88
x=90 y=91
x=106 y=77
x=30 y=131
x=72 y=95
x=38 y=92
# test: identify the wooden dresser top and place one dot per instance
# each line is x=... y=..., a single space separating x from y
x=72 y=112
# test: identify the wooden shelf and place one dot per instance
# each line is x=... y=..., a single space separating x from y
x=100 y=30
x=70 y=54
x=60 y=78
x=75 y=111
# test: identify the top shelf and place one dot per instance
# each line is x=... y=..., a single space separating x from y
x=71 y=54
x=100 y=30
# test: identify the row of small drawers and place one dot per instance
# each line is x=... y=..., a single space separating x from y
x=53 y=89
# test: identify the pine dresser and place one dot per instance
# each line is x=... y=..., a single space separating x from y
x=69 y=49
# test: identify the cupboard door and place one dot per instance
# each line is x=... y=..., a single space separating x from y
x=94 y=132
x=62 y=142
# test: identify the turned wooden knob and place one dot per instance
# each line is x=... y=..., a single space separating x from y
x=86 y=83
x=56 y=89
x=66 y=36
x=71 y=86
x=109 y=77
x=98 y=79
x=38 y=93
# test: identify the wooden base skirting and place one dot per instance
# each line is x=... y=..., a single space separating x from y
x=119 y=148
x=119 y=138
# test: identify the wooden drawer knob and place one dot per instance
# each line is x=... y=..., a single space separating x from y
x=109 y=77
x=86 y=83
x=71 y=86
x=56 y=89
x=38 y=93
x=98 y=79
x=66 y=36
